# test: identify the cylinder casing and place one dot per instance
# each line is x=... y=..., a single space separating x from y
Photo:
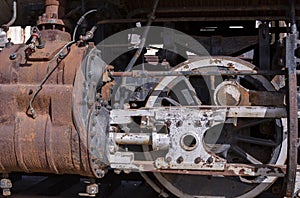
x=49 y=143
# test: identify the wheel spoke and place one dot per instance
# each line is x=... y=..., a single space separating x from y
x=245 y=155
x=171 y=101
x=257 y=141
x=250 y=124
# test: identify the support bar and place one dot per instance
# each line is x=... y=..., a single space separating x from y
x=149 y=74
x=291 y=64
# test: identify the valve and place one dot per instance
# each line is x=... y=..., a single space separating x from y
x=31 y=42
x=88 y=36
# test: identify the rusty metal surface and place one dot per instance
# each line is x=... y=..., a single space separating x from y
x=69 y=135
x=20 y=71
x=231 y=169
x=89 y=116
x=51 y=14
x=106 y=90
x=267 y=98
x=291 y=64
x=50 y=143
x=47 y=144
x=237 y=170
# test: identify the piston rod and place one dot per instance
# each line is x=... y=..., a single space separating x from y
x=158 y=141
x=132 y=138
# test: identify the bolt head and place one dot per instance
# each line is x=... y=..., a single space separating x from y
x=197 y=160
x=179 y=123
x=168 y=123
x=12 y=56
x=179 y=160
x=168 y=159
x=210 y=160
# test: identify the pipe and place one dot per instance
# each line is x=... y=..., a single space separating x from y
x=49 y=72
x=80 y=21
x=89 y=35
x=14 y=17
x=293 y=16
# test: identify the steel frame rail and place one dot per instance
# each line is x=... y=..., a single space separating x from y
x=291 y=64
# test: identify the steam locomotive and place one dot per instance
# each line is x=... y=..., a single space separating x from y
x=199 y=97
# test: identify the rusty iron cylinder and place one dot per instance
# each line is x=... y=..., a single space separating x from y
x=51 y=143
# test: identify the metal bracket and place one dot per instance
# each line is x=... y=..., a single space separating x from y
x=264 y=47
x=187 y=129
x=92 y=189
x=5 y=185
